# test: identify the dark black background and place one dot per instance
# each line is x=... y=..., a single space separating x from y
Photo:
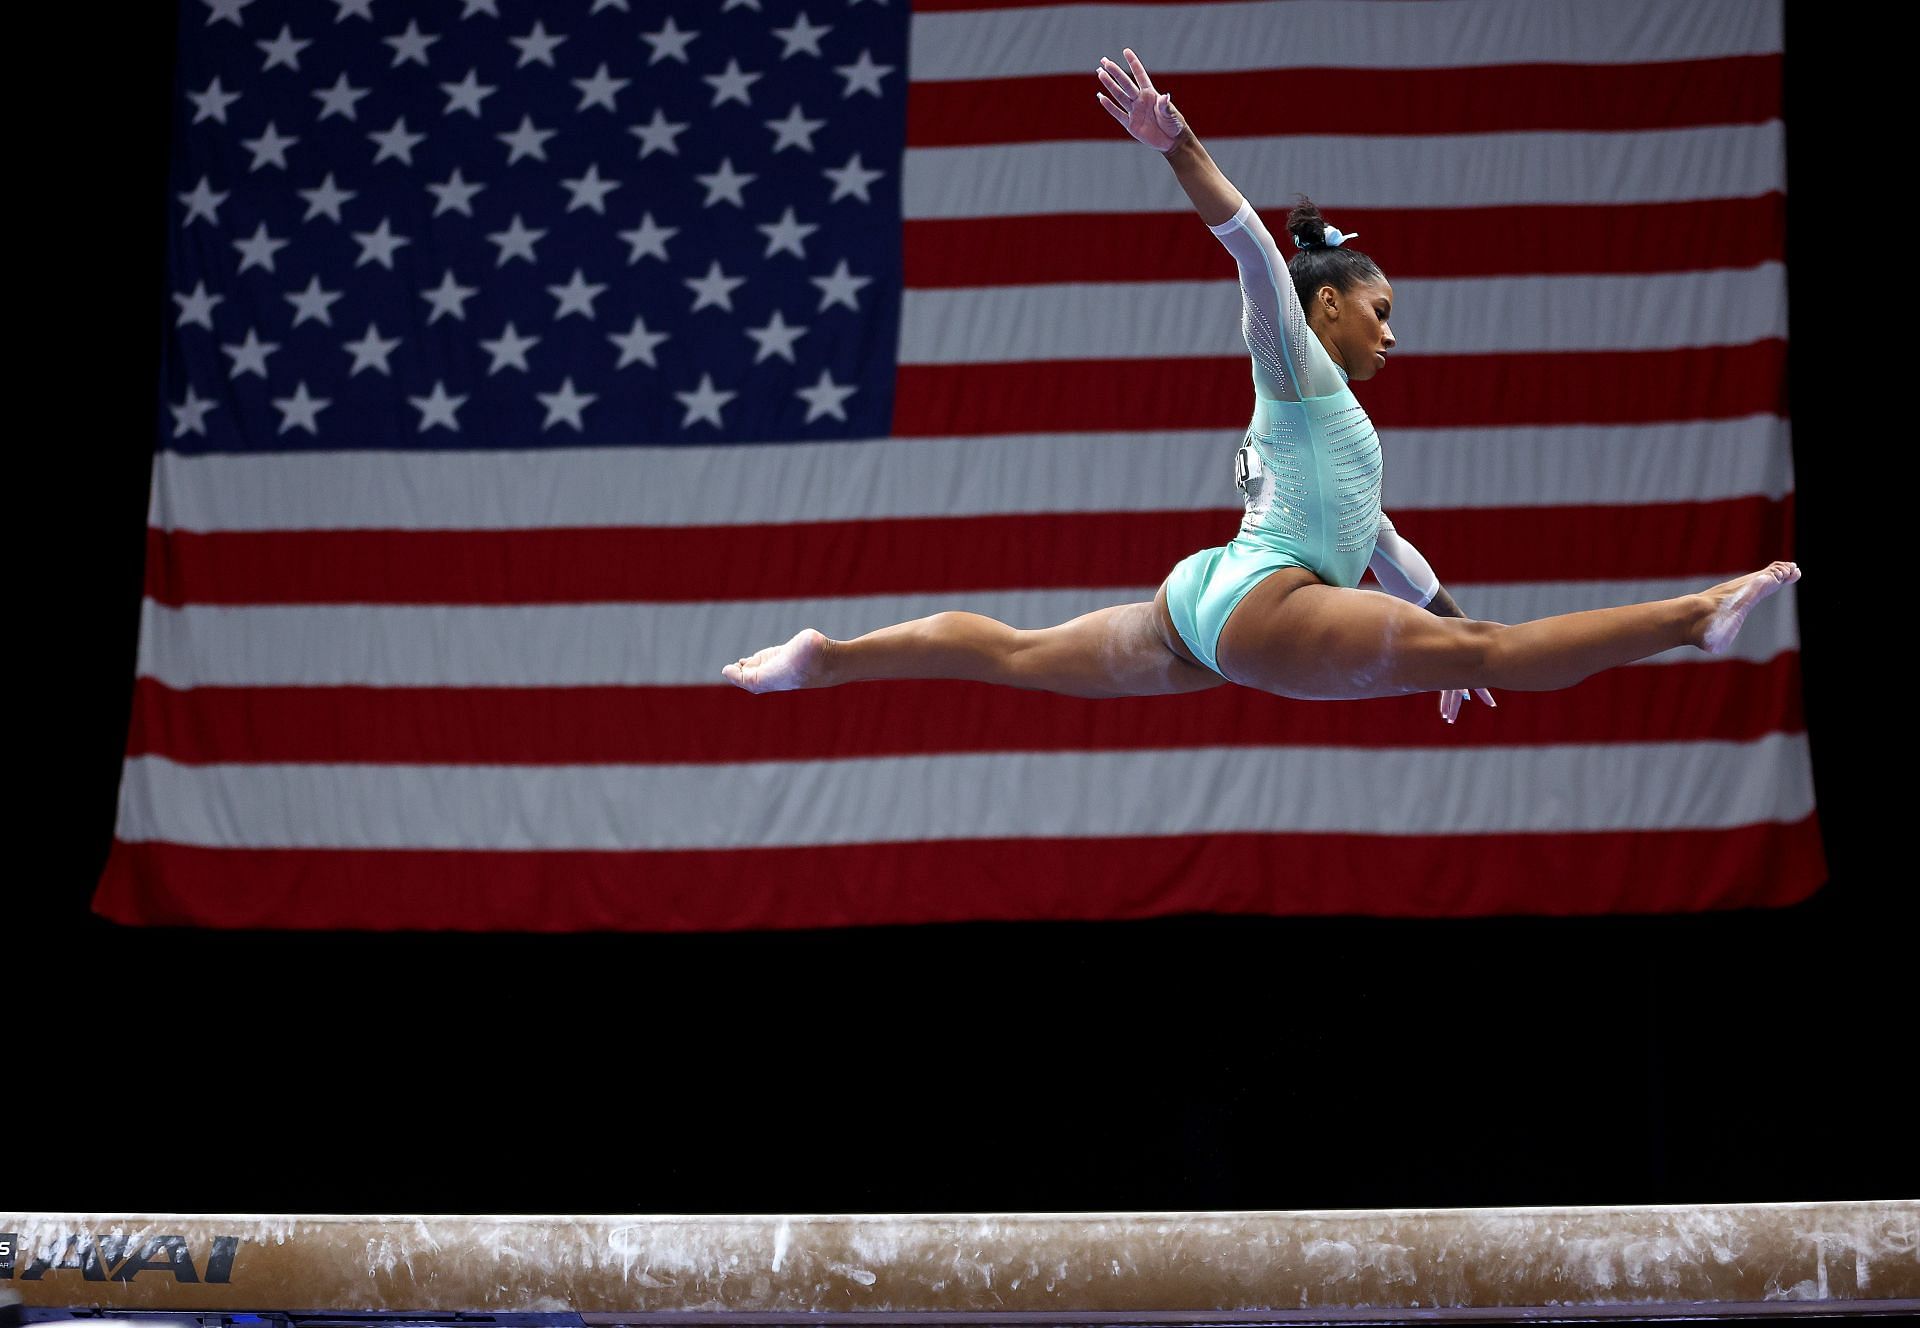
x=1184 y=1063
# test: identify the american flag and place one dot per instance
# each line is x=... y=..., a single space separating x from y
x=525 y=363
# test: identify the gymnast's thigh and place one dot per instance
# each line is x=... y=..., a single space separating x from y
x=1294 y=635
x=1178 y=583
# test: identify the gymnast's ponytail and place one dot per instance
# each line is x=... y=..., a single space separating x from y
x=1325 y=257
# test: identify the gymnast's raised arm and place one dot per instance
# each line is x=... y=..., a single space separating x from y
x=1289 y=363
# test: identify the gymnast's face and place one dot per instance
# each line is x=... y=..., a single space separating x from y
x=1353 y=326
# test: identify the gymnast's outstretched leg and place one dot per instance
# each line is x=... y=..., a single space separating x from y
x=1295 y=636
x=1126 y=650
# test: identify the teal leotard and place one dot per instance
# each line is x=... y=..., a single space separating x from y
x=1310 y=464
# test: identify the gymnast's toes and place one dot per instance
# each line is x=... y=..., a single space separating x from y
x=1731 y=601
x=781 y=668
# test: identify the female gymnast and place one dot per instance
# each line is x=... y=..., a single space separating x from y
x=1278 y=608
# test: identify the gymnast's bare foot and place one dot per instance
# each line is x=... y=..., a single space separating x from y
x=1732 y=600
x=799 y=663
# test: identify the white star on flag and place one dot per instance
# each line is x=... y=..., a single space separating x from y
x=565 y=405
x=704 y=403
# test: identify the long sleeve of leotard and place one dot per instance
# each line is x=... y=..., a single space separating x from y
x=1400 y=569
x=1289 y=363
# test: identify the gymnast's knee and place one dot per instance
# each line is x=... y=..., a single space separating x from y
x=1489 y=652
x=1031 y=655
x=1473 y=652
x=1064 y=659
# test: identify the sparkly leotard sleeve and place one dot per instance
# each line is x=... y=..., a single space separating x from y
x=1288 y=360
x=1401 y=569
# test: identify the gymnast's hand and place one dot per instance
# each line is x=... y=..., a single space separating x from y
x=1450 y=701
x=1148 y=115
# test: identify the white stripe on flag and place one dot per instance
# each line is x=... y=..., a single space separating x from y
x=772 y=484
x=1425 y=171
x=680 y=644
x=1227 y=790
x=1481 y=315
x=1318 y=34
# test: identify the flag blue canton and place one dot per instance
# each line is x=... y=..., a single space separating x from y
x=608 y=222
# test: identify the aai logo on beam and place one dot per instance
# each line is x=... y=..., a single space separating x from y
x=118 y=1258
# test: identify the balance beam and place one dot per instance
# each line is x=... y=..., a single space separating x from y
x=1163 y=1268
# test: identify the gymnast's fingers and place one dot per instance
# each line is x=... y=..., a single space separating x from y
x=1127 y=86
x=1120 y=94
x=1486 y=696
x=1139 y=70
x=1112 y=110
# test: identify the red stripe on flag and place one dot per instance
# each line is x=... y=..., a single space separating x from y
x=1406 y=242
x=1417 y=392
x=906 y=556
x=1711 y=700
x=1246 y=103
x=1760 y=866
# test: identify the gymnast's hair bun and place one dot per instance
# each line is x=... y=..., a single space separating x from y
x=1325 y=257
x=1306 y=225
x=1313 y=231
